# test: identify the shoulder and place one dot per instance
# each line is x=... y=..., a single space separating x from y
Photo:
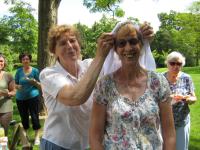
x=20 y=69
x=35 y=69
x=86 y=62
x=185 y=75
x=8 y=75
x=157 y=79
x=156 y=75
x=106 y=78
x=49 y=72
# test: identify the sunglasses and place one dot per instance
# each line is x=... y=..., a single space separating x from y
x=175 y=63
x=122 y=42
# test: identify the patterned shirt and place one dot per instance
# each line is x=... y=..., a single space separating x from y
x=184 y=86
x=132 y=125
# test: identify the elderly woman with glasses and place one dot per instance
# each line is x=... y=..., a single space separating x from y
x=132 y=105
x=182 y=89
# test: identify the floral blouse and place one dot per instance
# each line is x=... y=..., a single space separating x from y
x=132 y=125
x=184 y=86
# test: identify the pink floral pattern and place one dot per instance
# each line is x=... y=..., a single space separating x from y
x=132 y=125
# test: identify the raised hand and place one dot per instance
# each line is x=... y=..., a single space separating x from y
x=147 y=31
x=104 y=44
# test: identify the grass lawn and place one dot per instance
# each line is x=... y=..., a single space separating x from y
x=195 y=112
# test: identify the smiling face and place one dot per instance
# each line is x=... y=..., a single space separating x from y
x=2 y=63
x=67 y=48
x=128 y=44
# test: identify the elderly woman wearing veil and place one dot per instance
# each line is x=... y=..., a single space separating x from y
x=132 y=107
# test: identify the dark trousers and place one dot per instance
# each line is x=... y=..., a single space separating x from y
x=29 y=107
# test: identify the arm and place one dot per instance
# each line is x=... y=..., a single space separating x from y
x=17 y=85
x=167 y=124
x=77 y=94
x=35 y=83
x=147 y=31
x=11 y=89
x=97 y=125
x=191 y=99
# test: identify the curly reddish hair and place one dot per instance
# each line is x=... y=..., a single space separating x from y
x=55 y=33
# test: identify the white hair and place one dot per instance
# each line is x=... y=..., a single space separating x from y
x=175 y=56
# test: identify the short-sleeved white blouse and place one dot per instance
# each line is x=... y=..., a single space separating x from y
x=132 y=125
x=66 y=126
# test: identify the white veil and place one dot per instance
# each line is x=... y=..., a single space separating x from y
x=112 y=62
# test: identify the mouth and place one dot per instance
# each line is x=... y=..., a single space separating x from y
x=129 y=55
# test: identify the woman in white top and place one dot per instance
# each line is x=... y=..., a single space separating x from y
x=67 y=86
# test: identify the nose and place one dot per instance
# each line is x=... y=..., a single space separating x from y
x=69 y=45
x=128 y=45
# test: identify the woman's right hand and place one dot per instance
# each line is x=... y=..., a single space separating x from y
x=104 y=44
x=4 y=92
x=176 y=98
x=18 y=87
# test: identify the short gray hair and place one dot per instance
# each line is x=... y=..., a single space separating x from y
x=174 y=56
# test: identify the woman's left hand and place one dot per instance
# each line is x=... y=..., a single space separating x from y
x=190 y=99
x=104 y=43
x=147 y=31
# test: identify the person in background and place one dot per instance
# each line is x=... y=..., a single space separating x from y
x=67 y=86
x=132 y=105
x=7 y=91
x=27 y=96
x=182 y=89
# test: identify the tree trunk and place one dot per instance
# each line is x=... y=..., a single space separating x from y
x=47 y=16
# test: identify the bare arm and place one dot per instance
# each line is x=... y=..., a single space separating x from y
x=167 y=123
x=191 y=99
x=97 y=126
x=35 y=83
x=79 y=93
x=11 y=89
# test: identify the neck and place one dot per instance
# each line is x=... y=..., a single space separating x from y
x=172 y=77
x=72 y=68
x=26 y=67
x=132 y=72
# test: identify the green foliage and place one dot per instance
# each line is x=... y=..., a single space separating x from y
x=20 y=28
x=105 y=6
x=9 y=57
x=189 y=70
x=90 y=35
x=160 y=57
x=195 y=7
x=179 y=32
x=119 y=12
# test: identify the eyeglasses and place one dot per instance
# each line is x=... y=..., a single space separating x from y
x=175 y=63
x=122 y=42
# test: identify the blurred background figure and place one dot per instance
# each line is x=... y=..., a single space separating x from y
x=27 y=96
x=182 y=89
x=7 y=90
